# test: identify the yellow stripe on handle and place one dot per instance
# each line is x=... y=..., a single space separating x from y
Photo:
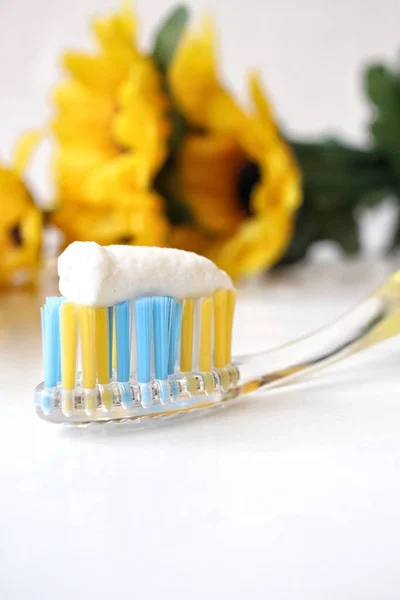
x=205 y=362
x=220 y=327
x=187 y=335
x=102 y=345
x=88 y=345
x=230 y=312
x=69 y=340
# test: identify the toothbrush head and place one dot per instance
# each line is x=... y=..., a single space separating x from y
x=141 y=358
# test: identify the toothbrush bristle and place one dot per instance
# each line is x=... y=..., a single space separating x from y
x=103 y=336
x=175 y=335
x=69 y=341
x=86 y=317
x=186 y=360
x=143 y=319
x=230 y=312
x=114 y=340
x=205 y=362
x=51 y=340
x=162 y=312
x=110 y=339
x=122 y=322
x=220 y=328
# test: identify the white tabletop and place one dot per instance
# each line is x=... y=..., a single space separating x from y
x=287 y=495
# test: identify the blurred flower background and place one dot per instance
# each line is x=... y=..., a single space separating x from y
x=149 y=145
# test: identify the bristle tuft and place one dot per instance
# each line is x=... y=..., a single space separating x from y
x=122 y=316
x=187 y=335
x=102 y=344
x=162 y=311
x=230 y=313
x=205 y=361
x=51 y=340
x=143 y=321
x=220 y=328
x=69 y=342
x=175 y=330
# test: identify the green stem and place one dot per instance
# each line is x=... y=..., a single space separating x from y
x=337 y=179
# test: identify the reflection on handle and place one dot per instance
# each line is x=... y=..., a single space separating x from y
x=374 y=320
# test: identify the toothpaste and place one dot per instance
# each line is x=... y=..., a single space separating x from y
x=105 y=275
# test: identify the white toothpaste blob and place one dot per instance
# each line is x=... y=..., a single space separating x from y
x=105 y=275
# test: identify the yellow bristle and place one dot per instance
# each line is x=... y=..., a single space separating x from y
x=69 y=339
x=102 y=354
x=230 y=306
x=88 y=345
x=114 y=342
x=187 y=335
x=205 y=362
x=220 y=326
x=102 y=345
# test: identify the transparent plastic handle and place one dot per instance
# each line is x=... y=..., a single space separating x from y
x=374 y=320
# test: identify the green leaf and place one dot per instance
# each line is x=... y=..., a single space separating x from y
x=305 y=233
x=396 y=238
x=342 y=228
x=177 y=130
x=165 y=45
x=168 y=185
x=383 y=88
x=373 y=198
x=168 y=37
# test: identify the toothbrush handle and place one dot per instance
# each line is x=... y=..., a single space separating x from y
x=374 y=320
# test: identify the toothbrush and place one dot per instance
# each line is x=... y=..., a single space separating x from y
x=182 y=354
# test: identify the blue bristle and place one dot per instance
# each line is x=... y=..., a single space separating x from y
x=143 y=320
x=110 y=339
x=175 y=326
x=162 y=310
x=122 y=311
x=51 y=340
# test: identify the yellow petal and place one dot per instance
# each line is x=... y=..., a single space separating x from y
x=140 y=123
x=116 y=33
x=14 y=198
x=194 y=82
x=24 y=148
x=72 y=167
x=83 y=116
x=96 y=72
x=70 y=133
x=259 y=243
x=81 y=112
x=141 y=224
x=115 y=180
x=259 y=99
x=103 y=72
x=20 y=230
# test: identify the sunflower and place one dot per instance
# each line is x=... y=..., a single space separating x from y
x=111 y=130
x=152 y=150
x=20 y=220
x=237 y=173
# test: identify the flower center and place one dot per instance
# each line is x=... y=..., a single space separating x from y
x=16 y=235
x=248 y=177
x=126 y=239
